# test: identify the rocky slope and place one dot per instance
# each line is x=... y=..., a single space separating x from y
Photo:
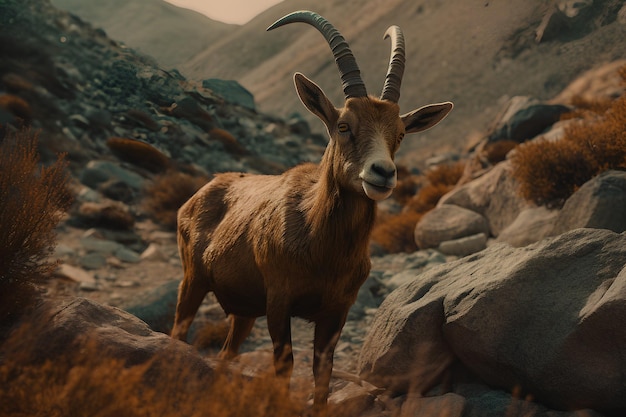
x=168 y=33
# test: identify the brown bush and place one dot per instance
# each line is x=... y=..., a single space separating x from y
x=497 y=151
x=17 y=106
x=550 y=171
x=143 y=118
x=139 y=153
x=167 y=193
x=394 y=233
x=32 y=201
x=231 y=145
x=90 y=382
x=408 y=185
x=445 y=174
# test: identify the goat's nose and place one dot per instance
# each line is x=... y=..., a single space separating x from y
x=384 y=170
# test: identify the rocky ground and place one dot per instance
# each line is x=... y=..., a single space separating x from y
x=133 y=276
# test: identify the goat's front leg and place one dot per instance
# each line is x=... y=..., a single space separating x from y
x=279 y=326
x=327 y=332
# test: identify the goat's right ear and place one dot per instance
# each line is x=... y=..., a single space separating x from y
x=315 y=100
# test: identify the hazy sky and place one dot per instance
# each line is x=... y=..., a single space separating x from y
x=228 y=11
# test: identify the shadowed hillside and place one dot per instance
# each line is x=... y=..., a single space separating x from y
x=170 y=34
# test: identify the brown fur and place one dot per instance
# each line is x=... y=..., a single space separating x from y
x=295 y=244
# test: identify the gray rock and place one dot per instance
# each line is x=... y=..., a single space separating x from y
x=231 y=91
x=101 y=246
x=127 y=255
x=546 y=319
x=98 y=172
x=448 y=222
x=494 y=195
x=524 y=118
x=156 y=307
x=92 y=261
x=531 y=225
x=464 y=246
x=600 y=203
x=75 y=274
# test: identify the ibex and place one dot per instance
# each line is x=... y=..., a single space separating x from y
x=296 y=244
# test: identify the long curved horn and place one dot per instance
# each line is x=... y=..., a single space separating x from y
x=391 y=89
x=353 y=85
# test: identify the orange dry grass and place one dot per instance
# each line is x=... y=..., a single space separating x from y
x=550 y=171
x=32 y=201
x=88 y=382
x=139 y=153
x=167 y=193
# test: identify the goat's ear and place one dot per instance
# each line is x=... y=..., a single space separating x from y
x=315 y=100
x=425 y=117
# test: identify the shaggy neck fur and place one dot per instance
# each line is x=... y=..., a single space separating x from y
x=336 y=213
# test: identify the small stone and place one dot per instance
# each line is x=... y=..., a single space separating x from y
x=88 y=286
x=153 y=253
x=127 y=255
x=92 y=261
x=75 y=274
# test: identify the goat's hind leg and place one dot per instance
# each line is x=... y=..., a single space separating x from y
x=240 y=328
x=191 y=292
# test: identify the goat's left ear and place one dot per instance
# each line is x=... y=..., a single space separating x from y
x=425 y=117
x=315 y=100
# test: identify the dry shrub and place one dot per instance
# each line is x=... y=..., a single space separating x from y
x=408 y=185
x=17 y=106
x=89 y=382
x=110 y=214
x=497 y=151
x=550 y=171
x=32 y=201
x=139 y=153
x=394 y=233
x=212 y=335
x=445 y=174
x=167 y=193
x=143 y=118
x=584 y=107
x=231 y=145
x=15 y=83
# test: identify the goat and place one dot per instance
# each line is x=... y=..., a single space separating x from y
x=297 y=244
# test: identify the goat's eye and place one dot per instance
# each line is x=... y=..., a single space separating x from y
x=343 y=128
x=400 y=137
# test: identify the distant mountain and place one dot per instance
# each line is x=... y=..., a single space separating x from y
x=168 y=33
x=475 y=53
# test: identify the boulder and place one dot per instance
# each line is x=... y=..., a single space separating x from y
x=545 y=320
x=448 y=222
x=493 y=195
x=524 y=118
x=600 y=203
x=156 y=307
x=63 y=331
x=531 y=225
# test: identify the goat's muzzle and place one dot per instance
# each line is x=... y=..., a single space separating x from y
x=379 y=179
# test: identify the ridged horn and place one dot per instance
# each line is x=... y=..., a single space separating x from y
x=352 y=83
x=391 y=89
